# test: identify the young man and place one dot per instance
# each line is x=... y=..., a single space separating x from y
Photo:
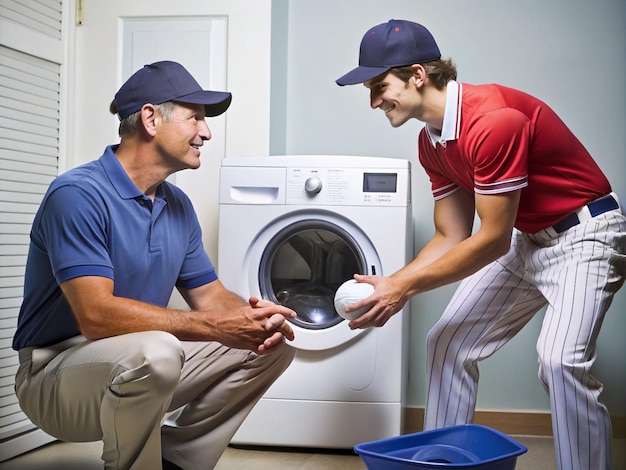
x=551 y=233
x=102 y=357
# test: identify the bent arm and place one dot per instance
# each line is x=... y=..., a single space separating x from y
x=100 y=314
x=217 y=315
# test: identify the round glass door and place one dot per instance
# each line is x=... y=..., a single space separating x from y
x=302 y=267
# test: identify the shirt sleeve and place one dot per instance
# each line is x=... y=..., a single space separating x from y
x=498 y=144
x=432 y=162
x=197 y=268
x=73 y=230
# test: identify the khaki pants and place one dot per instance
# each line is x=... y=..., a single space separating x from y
x=119 y=389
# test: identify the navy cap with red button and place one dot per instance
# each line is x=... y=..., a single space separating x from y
x=393 y=44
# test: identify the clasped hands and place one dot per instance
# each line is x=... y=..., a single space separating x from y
x=261 y=327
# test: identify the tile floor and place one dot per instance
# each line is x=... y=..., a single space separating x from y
x=70 y=456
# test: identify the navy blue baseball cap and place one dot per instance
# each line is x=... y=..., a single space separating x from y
x=393 y=44
x=167 y=81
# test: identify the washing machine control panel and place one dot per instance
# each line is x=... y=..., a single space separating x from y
x=347 y=186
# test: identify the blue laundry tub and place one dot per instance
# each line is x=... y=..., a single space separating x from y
x=468 y=446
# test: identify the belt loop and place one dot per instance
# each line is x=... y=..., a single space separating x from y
x=25 y=354
x=551 y=232
x=40 y=357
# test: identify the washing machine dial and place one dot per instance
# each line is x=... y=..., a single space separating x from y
x=313 y=185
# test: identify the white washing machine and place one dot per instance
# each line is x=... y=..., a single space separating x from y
x=292 y=229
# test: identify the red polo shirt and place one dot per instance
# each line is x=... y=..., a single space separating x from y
x=496 y=139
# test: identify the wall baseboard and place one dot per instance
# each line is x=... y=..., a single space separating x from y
x=508 y=422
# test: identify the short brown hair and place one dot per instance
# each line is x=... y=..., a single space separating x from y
x=440 y=72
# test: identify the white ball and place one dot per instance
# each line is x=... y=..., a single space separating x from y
x=351 y=292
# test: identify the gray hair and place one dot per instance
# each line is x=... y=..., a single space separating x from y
x=128 y=126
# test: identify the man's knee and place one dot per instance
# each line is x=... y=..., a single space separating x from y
x=556 y=364
x=156 y=360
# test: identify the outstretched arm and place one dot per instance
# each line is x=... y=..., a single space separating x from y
x=451 y=255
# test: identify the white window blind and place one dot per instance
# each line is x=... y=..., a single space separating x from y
x=29 y=156
x=29 y=127
x=43 y=16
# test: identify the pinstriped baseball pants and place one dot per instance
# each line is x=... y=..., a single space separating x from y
x=576 y=274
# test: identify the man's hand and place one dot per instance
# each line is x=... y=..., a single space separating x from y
x=260 y=327
x=276 y=324
x=387 y=299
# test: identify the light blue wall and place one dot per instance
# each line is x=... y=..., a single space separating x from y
x=571 y=53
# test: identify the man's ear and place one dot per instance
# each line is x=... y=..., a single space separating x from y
x=419 y=75
x=149 y=118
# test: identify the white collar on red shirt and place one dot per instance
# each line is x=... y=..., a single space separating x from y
x=451 y=117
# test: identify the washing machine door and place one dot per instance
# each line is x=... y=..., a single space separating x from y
x=307 y=255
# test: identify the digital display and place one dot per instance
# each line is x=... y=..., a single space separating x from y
x=380 y=182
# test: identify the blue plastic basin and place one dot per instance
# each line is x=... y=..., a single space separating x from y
x=468 y=446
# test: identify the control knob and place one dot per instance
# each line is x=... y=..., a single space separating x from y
x=313 y=185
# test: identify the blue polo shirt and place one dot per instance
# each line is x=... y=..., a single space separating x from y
x=94 y=221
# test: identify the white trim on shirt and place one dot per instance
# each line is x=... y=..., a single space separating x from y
x=451 y=128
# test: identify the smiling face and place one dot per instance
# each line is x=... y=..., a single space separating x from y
x=398 y=99
x=179 y=139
